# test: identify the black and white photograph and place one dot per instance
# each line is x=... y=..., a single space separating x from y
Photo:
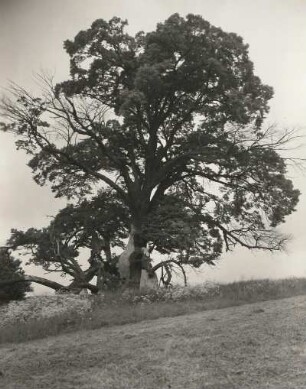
x=152 y=194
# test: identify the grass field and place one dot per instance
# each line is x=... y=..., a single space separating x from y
x=258 y=346
x=113 y=309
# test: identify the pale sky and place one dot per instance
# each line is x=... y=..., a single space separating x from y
x=31 y=40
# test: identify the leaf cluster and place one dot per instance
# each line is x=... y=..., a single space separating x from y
x=10 y=269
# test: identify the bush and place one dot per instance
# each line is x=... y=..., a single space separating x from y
x=10 y=269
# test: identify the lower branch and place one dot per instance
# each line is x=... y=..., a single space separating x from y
x=52 y=284
x=39 y=280
x=177 y=263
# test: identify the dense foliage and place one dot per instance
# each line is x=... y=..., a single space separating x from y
x=171 y=121
x=97 y=225
x=10 y=269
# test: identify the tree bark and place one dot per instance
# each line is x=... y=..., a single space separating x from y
x=134 y=263
x=52 y=284
x=39 y=280
x=148 y=280
x=130 y=261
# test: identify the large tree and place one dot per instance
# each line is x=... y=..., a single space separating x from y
x=177 y=112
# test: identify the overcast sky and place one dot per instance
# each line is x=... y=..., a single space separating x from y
x=31 y=40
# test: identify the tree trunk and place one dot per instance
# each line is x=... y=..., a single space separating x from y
x=148 y=280
x=123 y=262
x=129 y=263
x=134 y=263
x=99 y=282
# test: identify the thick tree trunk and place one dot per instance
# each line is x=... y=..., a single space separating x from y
x=134 y=263
x=148 y=280
x=130 y=261
x=123 y=262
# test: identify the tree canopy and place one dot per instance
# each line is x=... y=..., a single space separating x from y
x=97 y=225
x=172 y=121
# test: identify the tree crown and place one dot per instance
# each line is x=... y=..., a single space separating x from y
x=174 y=112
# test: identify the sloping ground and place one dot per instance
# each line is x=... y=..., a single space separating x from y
x=260 y=345
x=38 y=307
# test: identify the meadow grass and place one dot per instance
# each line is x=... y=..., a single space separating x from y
x=116 y=308
x=252 y=346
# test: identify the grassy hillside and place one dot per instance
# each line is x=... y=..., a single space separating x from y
x=260 y=345
x=38 y=317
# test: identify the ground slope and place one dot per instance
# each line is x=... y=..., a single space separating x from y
x=261 y=345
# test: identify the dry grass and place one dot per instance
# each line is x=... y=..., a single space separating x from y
x=114 y=309
x=257 y=346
